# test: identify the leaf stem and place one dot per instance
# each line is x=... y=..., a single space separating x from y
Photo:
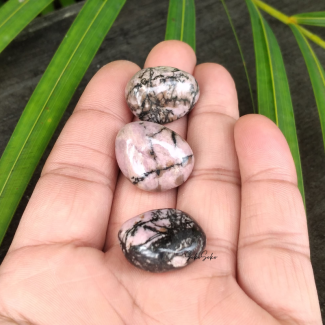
x=273 y=12
x=289 y=20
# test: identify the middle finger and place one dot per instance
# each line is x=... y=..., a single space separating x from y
x=130 y=201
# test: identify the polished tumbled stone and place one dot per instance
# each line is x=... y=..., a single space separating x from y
x=161 y=94
x=153 y=157
x=161 y=240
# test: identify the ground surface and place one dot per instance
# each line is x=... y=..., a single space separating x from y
x=139 y=27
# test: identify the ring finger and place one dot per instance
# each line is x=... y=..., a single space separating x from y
x=212 y=193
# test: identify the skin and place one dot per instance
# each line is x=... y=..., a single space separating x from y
x=65 y=265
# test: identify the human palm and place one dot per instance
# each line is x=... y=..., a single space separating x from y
x=65 y=265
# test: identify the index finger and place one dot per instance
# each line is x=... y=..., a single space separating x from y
x=72 y=199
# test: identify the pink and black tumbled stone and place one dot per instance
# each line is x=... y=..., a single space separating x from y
x=153 y=157
x=161 y=94
x=161 y=240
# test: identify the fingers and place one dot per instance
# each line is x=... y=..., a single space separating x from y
x=130 y=201
x=212 y=193
x=72 y=199
x=274 y=266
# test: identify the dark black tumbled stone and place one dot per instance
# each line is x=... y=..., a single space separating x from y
x=161 y=240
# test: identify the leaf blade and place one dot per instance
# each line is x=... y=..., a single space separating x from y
x=265 y=98
x=49 y=101
x=15 y=15
x=316 y=18
x=181 y=22
x=316 y=73
x=48 y=9
x=240 y=51
x=274 y=99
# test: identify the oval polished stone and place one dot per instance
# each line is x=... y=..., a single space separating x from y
x=153 y=157
x=161 y=240
x=161 y=94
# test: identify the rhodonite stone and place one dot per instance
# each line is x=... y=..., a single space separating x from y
x=153 y=157
x=161 y=94
x=161 y=240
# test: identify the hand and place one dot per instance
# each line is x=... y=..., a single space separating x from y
x=65 y=265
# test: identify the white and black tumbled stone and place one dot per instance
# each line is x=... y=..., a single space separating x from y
x=161 y=94
x=161 y=240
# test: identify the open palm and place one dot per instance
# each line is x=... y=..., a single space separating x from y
x=65 y=265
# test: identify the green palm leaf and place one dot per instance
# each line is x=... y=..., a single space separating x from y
x=48 y=9
x=49 y=101
x=310 y=18
x=240 y=51
x=274 y=99
x=181 y=21
x=316 y=74
x=288 y=20
x=15 y=15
